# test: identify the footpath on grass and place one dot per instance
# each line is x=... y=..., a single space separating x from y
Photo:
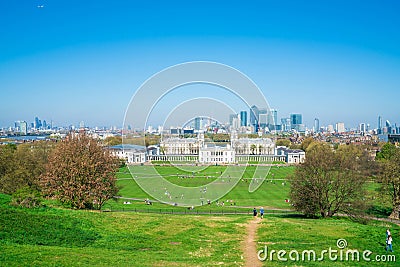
x=249 y=245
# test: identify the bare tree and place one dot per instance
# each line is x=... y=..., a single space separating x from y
x=80 y=173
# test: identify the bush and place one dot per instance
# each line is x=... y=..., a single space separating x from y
x=26 y=197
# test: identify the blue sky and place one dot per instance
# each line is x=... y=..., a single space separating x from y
x=83 y=60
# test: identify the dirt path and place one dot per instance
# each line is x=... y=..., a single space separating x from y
x=250 y=246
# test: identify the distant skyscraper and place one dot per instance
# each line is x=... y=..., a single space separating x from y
x=274 y=116
x=17 y=126
x=388 y=127
x=38 y=123
x=285 y=124
x=362 y=128
x=243 y=118
x=340 y=127
x=316 y=125
x=23 y=127
x=263 y=120
x=379 y=123
x=296 y=119
x=264 y=117
x=231 y=118
x=254 y=114
x=197 y=123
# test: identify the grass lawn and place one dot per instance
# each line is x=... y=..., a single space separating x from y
x=60 y=237
x=271 y=194
x=291 y=233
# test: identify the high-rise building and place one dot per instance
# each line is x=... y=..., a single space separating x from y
x=17 y=126
x=197 y=123
x=263 y=117
x=274 y=117
x=316 y=125
x=243 y=118
x=231 y=118
x=379 y=124
x=362 y=128
x=285 y=124
x=263 y=120
x=296 y=119
x=38 y=123
x=340 y=127
x=254 y=114
x=388 y=127
x=23 y=127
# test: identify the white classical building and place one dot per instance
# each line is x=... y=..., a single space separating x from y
x=293 y=156
x=130 y=153
x=211 y=153
x=181 y=146
x=239 y=150
x=253 y=146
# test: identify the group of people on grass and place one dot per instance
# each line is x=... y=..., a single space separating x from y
x=261 y=212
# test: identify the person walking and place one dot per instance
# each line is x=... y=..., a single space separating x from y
x=254 y=212
x=262 y=212
x=389 y=243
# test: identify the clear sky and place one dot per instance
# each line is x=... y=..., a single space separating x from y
x=73 y=60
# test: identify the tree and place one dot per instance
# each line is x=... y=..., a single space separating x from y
x=283 y=142
x=389 y=158
x=113 y=140
x=306 y=143
x=80 y=173
x=22 y=165
x=252 y=149
x=329 y=182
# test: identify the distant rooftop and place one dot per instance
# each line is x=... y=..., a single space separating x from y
x=128 y=147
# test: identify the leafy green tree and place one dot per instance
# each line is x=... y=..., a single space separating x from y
x=386 y=152
x=306 y=143
x=7 y=167
x=220 y=137
x=389 y=159
x=283 y=142
x=21 y=166
x=113 y=140
x=329 y=182
x=253 y=148
x=80 y=173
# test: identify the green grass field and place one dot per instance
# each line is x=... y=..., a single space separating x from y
x=270 y=195
x=60 y=237
x=300 y=234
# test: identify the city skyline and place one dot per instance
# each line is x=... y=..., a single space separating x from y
x=69 y=62
x=293 y=121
